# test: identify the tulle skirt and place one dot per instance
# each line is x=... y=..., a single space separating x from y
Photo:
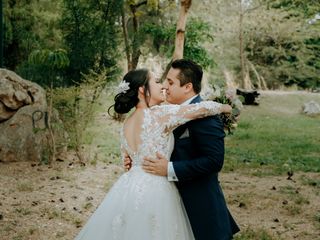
x=139 y=206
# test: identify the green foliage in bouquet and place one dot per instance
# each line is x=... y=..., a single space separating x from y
x=230 y=121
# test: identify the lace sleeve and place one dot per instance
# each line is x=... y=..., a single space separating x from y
x=173 y=116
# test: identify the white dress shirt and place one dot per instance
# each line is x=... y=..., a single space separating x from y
x=170 y=171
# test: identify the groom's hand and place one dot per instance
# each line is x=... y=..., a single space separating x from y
x=158 y=166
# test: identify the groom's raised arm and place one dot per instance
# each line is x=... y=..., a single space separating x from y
x=207 y=136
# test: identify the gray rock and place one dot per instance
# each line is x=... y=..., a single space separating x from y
x=23 y=106
x=311 y=108
x=5 y=113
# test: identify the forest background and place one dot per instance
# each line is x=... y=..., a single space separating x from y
x=272 y=40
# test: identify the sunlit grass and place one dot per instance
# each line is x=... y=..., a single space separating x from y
x=275 y=137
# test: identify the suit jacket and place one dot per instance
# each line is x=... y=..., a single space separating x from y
x=197 y=158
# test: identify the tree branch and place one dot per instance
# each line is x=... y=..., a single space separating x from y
x=140 y=4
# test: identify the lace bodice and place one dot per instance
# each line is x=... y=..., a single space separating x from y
x=158 y=124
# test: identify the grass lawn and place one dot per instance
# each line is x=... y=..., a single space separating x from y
x=275 y=137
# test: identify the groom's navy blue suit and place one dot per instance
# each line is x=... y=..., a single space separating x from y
x=197 y=159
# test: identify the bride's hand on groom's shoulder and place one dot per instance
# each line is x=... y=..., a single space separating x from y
x=226 y=108
x=127 y=162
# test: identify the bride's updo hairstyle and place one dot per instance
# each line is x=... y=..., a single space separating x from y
x=125 y=101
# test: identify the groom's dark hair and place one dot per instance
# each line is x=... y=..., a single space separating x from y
x=190 y=72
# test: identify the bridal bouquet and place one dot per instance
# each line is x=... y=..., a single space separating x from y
x=227 y=96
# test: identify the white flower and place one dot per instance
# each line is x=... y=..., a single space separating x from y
x=123 y=87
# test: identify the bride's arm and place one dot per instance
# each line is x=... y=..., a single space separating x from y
x=176 y=115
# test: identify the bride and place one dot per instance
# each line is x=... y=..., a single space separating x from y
x=142 y=206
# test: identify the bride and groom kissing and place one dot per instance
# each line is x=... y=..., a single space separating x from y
x=173 y=154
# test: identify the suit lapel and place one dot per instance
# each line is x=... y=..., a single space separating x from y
x=178 y=131
x=181 y=129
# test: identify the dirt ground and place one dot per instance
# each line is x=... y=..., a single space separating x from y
x=54 y=201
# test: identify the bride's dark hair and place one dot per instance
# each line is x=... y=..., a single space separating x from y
x=124 y=102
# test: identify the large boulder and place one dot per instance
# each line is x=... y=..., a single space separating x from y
x=311 y=108
x=23 y=119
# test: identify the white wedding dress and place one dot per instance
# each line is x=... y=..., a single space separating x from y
x=142 y=206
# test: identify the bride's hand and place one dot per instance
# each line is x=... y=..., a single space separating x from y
x=127 y=162
x=226 y=108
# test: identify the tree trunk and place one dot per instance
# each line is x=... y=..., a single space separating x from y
x=180 y=34
x=135 y=43
x=135 y=55
x=181 y=26
x=126 y=40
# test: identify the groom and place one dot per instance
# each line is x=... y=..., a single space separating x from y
x=197 y=158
